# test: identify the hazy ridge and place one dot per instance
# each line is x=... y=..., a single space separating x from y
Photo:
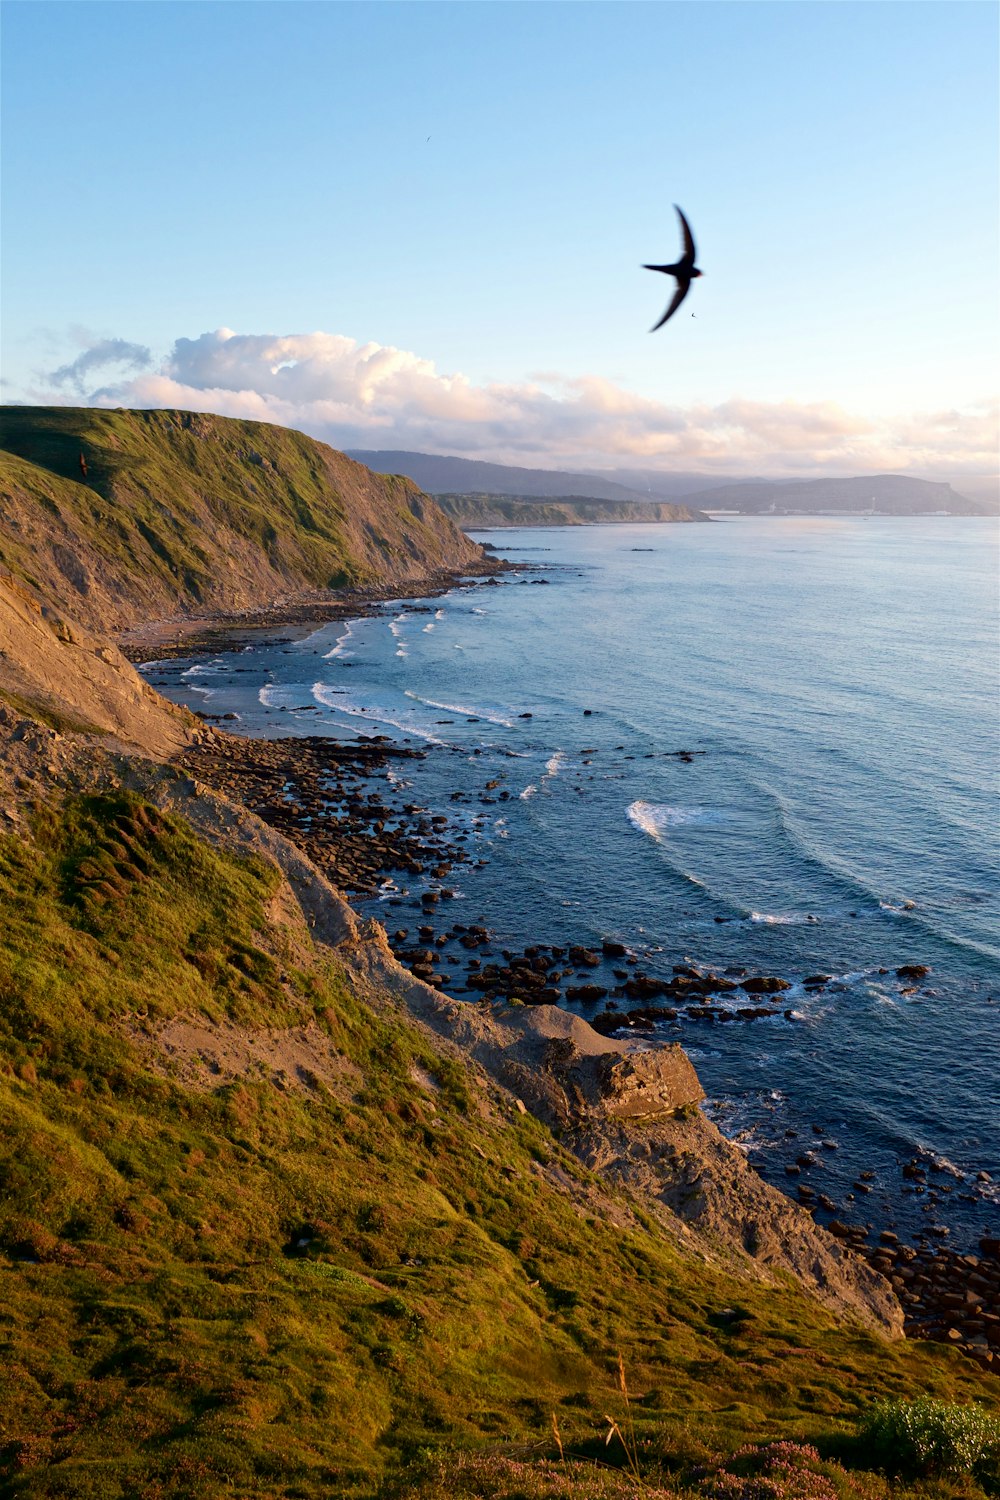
x=571 y=510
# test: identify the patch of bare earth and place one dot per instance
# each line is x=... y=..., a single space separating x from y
x=205 y=1055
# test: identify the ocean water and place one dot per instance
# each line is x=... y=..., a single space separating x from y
x=835 y=682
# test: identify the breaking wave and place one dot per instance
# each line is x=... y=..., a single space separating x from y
x=339 y=649
x=326 y=696
x=491 y=717
x=657 y=818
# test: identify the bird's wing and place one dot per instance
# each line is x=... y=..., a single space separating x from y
x=689 y=249
x=683 y=287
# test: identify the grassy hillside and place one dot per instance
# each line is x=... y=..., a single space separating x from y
x=312 y=1281
x=472 y=510
x=180 y=511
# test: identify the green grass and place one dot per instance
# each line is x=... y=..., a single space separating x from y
x=163 y=1331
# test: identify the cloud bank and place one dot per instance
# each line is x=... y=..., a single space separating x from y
x=375 y=396
x=99 y=355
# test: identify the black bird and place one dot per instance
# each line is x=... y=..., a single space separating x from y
x=684 y=271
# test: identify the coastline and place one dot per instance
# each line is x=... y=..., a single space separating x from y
x=946 y=1297
x=219 y=631
x=941 y=1291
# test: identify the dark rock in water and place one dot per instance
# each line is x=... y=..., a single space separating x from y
x=816 y=981
x=583 y=958
x=586 y=992
x=768 y=985
x=912 y=971
x=611 y=949
x=642 y=988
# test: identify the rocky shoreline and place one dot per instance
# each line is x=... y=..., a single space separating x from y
x=319 y=794
x=192 y=633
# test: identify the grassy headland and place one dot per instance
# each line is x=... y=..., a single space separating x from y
x=182 y=512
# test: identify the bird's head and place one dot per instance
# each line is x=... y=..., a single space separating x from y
x=696 y=273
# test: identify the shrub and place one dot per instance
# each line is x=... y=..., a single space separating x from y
x=774 y=1471
x=929 y=1436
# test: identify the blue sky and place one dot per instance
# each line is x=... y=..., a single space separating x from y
x=424 y=224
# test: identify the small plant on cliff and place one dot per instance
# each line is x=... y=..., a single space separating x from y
x=627 y=1437
x=930 y=1437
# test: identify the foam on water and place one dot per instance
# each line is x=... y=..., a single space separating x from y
x=323 y=694
x=657 y=818
x=340 y=649
x=782 y=919
x=467 y=710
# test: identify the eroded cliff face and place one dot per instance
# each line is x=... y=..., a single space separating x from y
x=57 y=669
x=119 y=518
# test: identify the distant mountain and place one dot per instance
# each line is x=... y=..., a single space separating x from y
x=479 y=510
x=881 y=494
x=658 y=484
x=443 y=475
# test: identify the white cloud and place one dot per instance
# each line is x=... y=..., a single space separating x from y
x=377 y=396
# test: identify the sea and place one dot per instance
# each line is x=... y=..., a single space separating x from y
x=767 y=743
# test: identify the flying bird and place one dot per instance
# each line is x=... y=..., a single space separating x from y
x=683 y=271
